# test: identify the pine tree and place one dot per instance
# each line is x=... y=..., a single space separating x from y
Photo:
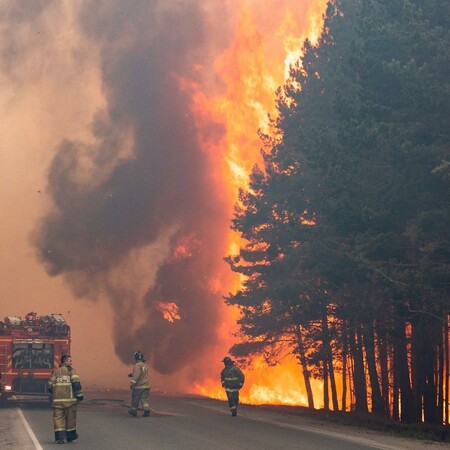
x=350 y=219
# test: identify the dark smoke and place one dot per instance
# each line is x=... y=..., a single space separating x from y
x=112 y=198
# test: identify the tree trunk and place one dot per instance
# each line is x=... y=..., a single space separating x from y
x=344 y=366
x=430 y=392
x=384 y=367
x=402 y=371
x=447 y=369
x=417 y=370
x=440 y=377
x=430 y=356
x=377 y=400
x=425 y=339
x=395 y=391
x=328 y=359
x=326 y=395
x=305 y=371
x=359 y=379
x=334 y=397
x=351 y=378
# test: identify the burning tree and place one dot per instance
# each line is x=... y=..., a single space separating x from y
x=347 y=228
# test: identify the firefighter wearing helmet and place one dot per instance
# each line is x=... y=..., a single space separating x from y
x=232 y=380
x=139 y=386
x=65 y=388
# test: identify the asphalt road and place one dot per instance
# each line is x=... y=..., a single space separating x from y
x=179 y=422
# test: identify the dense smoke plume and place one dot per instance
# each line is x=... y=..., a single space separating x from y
x=142 y=183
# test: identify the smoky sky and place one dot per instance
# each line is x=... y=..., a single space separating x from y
x=142 y=176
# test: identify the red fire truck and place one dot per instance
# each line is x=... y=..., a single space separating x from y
x=30 y=349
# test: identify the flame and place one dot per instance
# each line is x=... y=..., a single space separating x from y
x=267 y=42
x=281 y=385
x=169 y=311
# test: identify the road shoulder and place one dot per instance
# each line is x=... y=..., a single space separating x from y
x=376 y=439
x=13 y=434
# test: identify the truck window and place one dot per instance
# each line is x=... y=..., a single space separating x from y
x=32 y=356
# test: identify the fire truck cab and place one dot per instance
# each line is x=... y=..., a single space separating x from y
x=30 y=349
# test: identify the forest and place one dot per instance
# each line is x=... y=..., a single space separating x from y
x=345 y=227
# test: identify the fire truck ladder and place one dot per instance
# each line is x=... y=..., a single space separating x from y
x=3 y=360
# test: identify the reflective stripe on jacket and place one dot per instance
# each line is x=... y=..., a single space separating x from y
x=65 y=386
x=139 y=379
x=232 y=378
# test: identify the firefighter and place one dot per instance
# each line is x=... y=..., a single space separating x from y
x=232 y=380
x=139 y=386
x=65 y=387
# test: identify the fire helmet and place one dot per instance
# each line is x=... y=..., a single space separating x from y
x=138 y=356
x=227 y=360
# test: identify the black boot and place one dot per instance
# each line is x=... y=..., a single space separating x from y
x=146 y=413
x=59 y=437
x=72 y=435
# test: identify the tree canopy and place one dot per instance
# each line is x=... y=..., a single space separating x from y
x=347 y=260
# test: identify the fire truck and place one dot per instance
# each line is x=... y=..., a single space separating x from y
x=30 y=349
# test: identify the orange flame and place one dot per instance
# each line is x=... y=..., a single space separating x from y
x=282 y=385
x=169 y=311
x=267 y=42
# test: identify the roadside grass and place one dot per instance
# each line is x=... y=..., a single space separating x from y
x=420 y=431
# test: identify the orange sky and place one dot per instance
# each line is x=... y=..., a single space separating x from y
x=63 y=65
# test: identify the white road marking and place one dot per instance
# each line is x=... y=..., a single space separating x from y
x=33 y=437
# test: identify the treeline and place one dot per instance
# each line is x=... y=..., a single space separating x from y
x=347 y=225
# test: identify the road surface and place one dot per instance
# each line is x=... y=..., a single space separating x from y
x=180 y=422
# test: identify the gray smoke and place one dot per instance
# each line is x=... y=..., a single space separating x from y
x=142 y=179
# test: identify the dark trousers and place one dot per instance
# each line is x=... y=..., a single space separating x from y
x=139 y=396
x=233 y=398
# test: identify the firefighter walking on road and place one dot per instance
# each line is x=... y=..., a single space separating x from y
x=232 y=380
x=139 y=386
x=65 y=387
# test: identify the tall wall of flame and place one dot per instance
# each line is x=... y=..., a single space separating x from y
x=141 y=204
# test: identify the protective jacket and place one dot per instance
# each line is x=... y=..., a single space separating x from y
x=65 y=387
x=232 y=378
x=139 y=376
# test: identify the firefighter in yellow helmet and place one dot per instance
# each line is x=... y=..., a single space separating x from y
x=232 y=380
x=65 y=387
x=139 y=386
